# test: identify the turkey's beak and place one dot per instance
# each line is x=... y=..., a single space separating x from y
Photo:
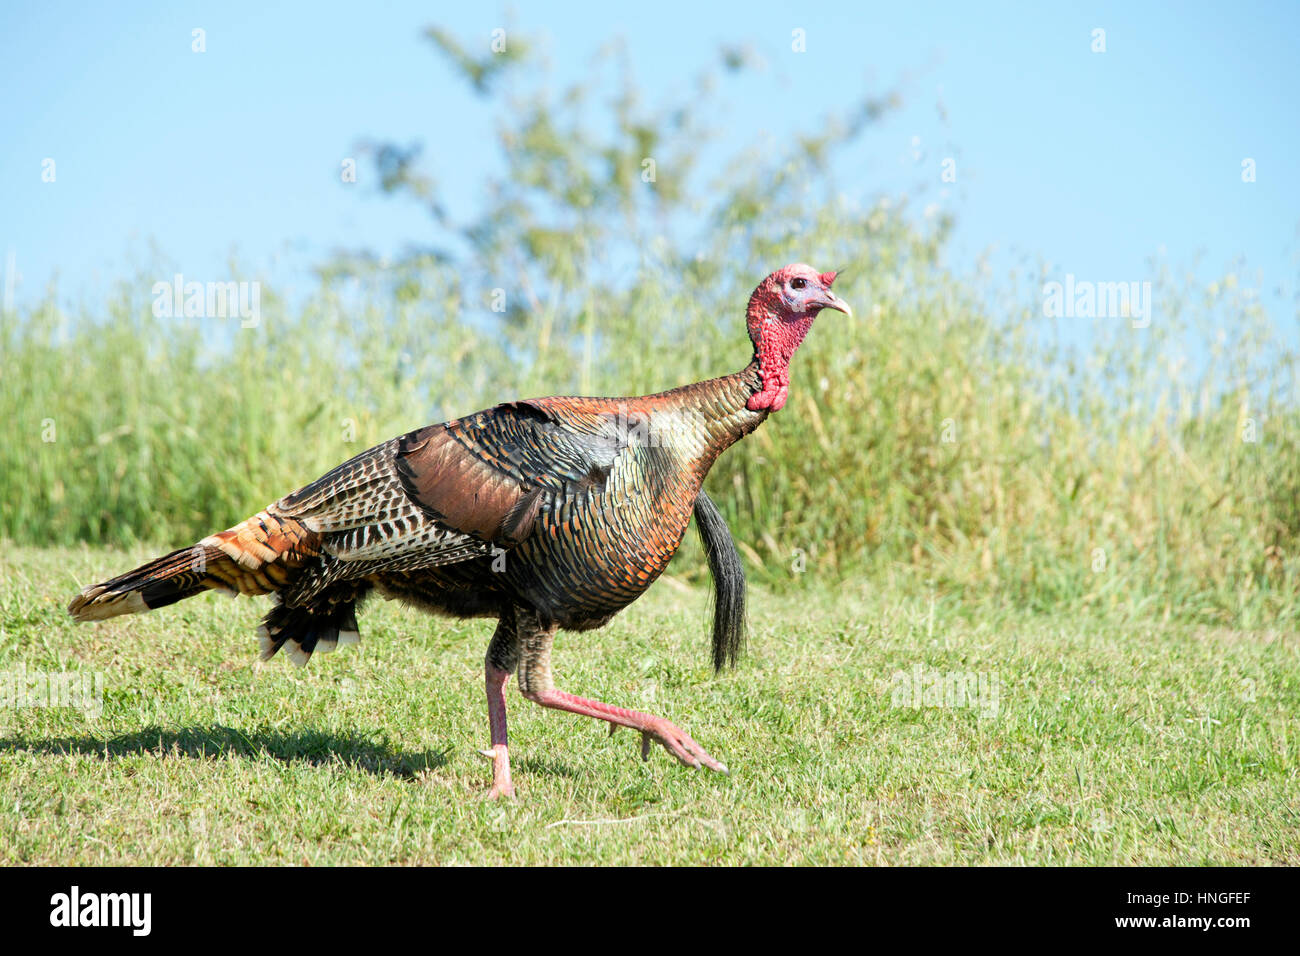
x=832 y=301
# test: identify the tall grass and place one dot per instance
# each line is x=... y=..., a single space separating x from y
x=931 y=439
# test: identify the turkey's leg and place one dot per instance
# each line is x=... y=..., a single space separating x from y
x=502 y=657
x=535 y=683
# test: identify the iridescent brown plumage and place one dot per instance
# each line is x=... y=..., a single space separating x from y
x=544 y=514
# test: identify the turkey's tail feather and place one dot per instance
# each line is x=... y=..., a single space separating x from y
x=163 y=581
x=728 y=582
x=209 y=565
x=256 y=556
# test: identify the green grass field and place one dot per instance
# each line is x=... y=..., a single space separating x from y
x=1109 y=741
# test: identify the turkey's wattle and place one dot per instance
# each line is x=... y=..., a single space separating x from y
x=544 y=514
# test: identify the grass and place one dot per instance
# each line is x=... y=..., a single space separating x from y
x=1116 y=740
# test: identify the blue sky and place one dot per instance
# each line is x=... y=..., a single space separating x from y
x=1094 y=162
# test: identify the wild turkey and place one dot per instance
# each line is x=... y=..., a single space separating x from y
x=544 y=514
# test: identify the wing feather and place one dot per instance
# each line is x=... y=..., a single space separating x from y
x=448 y=492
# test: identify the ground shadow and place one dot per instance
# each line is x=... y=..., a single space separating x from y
x=372 y=754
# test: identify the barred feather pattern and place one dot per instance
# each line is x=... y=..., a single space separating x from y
x=569 y=506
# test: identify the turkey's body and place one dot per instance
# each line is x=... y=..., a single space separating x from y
x=606 y=529
x=599 y=513
x=547 y=513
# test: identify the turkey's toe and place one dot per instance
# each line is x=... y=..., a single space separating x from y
x=679 y=743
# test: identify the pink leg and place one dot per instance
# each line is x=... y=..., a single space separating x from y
x=496 y=680
x=675 y=740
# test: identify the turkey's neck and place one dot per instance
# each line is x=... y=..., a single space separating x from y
x=711 y=416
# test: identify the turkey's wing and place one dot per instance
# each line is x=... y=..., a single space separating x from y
x=489 y=474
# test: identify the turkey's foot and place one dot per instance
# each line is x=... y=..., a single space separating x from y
x=502 y=786
x=675 y=740
x=678 y=743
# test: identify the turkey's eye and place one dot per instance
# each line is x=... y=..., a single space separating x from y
x=798 y=283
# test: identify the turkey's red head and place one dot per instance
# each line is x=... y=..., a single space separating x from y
x=780 y=312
